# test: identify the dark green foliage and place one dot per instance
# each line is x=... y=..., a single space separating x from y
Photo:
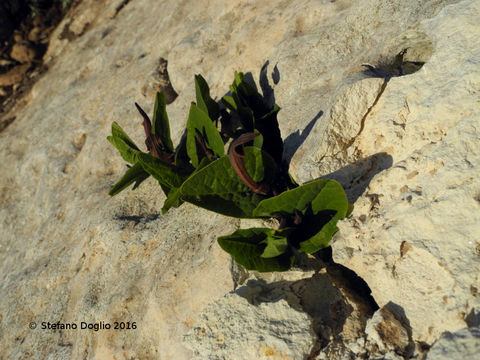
x=258 y=249
x=160 y=124
x=203 y=139
x=250 y=182
x=204 y=101
x=125 y=146
x=218 y=188
x=318 y=205
x=134 y=174
x=255 y=114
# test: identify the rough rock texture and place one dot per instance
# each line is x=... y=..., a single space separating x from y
x=70 y=253
x=232 y=328
x=289 y=315
x=389 y=332
x=413 y=236
x=462 y=344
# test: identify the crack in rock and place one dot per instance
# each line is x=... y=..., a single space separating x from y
x=362 y=121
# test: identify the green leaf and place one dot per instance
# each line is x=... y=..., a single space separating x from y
x=204 y=101
x=246 y=94
x=204 y=162
x=229 y=102
x=267 y=125
x=134 y=174
x=199 y=123
x=160 y=123
x=217 y=187
x=277 y=242
x=174 y=195
x=173 y=200
x=316 y=231
x=169 y=176
x=181 y=156
x=244 y=112
x=248 y=246
x=118 y=132
x=237 y=78
x=258 y=141
x=322 y=203
x=249 y=95
x=128 y=153
x=254 y=113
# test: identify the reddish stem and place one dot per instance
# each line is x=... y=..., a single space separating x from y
x=236 y=154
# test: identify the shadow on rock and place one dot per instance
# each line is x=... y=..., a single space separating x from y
x=136 y=219
x=338 y=307
x=356 y=177
x=293 y=141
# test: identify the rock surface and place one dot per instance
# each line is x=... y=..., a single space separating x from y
x=22 y=53
x=413 y=236
x=405 y=148
x=232 y=328
x=14 y=75
x=463 y=344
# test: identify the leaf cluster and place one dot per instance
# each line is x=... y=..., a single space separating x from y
x=249 y=180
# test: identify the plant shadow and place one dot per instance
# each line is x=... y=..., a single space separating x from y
x=325 y=296
x=135 y=219
x=329 y=292
x=293 y=141
x=356 y=177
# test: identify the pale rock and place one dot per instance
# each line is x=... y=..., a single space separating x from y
x=17 y=37
x=463 y=344
x=70 y=253
x=6 y=62
x=388 y=332
x=233 y=328
x=279 y=315
x=413 y=236
x=34 y=34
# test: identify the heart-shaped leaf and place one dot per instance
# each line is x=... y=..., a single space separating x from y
x=321 y=203
x=276 y=241
x=259 y=249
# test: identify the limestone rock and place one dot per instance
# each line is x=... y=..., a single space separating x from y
x=232 y=328
x=413 y=234
x=388 y=332
x=34 y=34
x=22 y=53
x=285 y=315
x=71 y=254
x=14 y=75
x=462 y=344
